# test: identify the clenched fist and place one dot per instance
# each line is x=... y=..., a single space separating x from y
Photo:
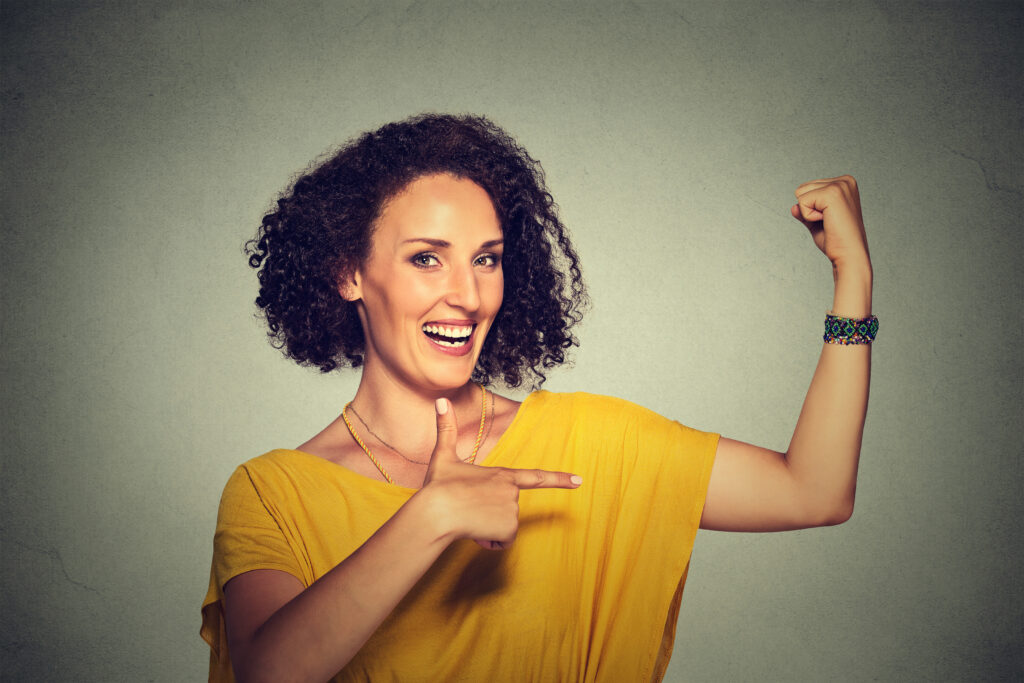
x=830 y=208
x=473 y=501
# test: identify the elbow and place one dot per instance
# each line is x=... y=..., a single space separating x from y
x=245 y=674
x=262 y=672
x=259 y=676
x=830 y=513
x=838 y=516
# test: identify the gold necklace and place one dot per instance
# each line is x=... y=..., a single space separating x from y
x=380 y=467
x=402 y=455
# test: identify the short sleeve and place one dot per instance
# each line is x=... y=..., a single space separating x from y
x=654 y=473
x=247 y=538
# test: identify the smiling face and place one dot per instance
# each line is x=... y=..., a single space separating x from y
x=432 y=284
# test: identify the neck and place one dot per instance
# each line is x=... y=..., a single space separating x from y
x=403 y=414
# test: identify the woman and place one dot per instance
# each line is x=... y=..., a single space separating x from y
x=429 y=254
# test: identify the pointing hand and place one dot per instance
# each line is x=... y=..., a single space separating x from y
x=472 y=501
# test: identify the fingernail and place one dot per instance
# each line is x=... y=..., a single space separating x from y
x=441 y=405
x=576 y=480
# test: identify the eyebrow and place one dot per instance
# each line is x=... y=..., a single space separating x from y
x=441 y=244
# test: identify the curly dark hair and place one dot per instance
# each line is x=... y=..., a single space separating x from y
x=322 y=228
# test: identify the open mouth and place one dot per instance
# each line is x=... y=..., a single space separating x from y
x=451 y=336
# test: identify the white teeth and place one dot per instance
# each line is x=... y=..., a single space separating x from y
x=453 y=345
x=452 y=332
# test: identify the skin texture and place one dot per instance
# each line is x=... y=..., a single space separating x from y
x=813 y=483
x=416 y=395
x=419 y=272
x=324 y=225
x=434 y=258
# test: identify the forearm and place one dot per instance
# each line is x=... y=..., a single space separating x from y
x=317 y=633
x=813 y=483
x=825 y=448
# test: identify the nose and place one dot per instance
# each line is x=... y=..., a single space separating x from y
x=463 y=289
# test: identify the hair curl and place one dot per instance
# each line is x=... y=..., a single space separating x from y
x=323 y=228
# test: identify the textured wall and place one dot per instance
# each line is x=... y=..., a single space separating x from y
x=142 y=141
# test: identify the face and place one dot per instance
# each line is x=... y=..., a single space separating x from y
x=432 y=284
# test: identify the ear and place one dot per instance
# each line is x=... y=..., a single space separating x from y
x=350 y=285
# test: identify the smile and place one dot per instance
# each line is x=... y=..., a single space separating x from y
x=449 y=336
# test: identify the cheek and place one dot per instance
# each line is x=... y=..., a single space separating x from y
x=397 y=297
x=494 y=293
x=415 y=295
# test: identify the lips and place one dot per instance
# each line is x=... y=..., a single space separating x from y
x=449 y=336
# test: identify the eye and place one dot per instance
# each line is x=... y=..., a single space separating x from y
x=487 y=260
x=425 y=260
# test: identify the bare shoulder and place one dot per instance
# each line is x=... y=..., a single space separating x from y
x=504 y=412
x=505 y=408
x=334 y=444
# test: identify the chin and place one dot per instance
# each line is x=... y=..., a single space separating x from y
x=446 y=373
x=450 y=381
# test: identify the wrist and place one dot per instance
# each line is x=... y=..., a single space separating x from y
x=430 y=513
x=858 y=269
x=853 y=285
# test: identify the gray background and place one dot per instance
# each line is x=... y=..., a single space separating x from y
x=143 y=141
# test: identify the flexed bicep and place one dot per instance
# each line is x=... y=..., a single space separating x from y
x=756 y=489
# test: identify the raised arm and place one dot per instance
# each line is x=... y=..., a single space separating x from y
x=814 y=481
x=279 y=632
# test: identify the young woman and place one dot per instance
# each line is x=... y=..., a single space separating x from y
x=438 y=531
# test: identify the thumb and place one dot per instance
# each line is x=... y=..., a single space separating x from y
x=807 y=211
x=797 y=213
x=813 y=226
x=809 y=216
x=447 y=432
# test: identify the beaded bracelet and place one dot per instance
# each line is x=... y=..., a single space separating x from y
x=850 y=330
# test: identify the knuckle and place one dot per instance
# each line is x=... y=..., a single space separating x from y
x=510 y=530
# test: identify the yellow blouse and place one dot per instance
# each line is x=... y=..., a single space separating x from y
x=589 y=591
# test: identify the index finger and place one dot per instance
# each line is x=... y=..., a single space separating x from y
x=544 y=479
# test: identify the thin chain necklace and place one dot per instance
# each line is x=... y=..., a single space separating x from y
x=402 y=455
x=377 y=463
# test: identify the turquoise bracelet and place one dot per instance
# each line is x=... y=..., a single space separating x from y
x=850 y=330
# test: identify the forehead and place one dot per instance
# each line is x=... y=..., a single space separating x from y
x=440 y=202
